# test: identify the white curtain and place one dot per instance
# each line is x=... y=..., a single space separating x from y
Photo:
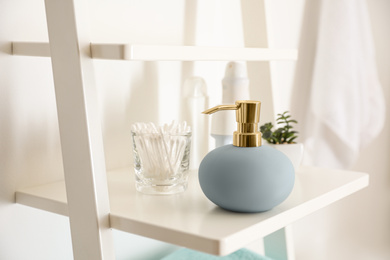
x=337 y=98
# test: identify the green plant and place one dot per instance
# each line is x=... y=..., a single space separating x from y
x=284 y=134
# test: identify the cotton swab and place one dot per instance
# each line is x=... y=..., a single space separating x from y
x=161 y=149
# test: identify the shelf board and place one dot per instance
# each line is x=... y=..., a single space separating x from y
x=138 y=52
x=188 y=53
x=38 y=49
x=189 y=219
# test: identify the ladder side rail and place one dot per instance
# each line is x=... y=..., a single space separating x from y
x=80 y=129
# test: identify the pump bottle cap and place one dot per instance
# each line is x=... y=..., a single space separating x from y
x=247 y=117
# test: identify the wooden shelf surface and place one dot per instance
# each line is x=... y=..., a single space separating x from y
x=137 y=52
x=189 y=219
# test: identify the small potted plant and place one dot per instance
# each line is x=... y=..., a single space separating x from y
x=283 y=138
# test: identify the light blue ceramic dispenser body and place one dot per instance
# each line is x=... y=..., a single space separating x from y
x=246 y=179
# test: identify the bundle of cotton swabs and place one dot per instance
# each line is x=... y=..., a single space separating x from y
x=162 y=148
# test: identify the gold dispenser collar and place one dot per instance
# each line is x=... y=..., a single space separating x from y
x=247 y=117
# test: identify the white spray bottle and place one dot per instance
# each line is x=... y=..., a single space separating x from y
x=235 y=86
x=196 y=101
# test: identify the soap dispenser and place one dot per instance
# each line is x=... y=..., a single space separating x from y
x=246 y=176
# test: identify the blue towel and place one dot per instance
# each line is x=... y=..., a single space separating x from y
x=187 y=254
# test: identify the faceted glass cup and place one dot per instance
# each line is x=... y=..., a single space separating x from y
x=161 y=162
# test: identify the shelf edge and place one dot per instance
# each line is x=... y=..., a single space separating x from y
x=37 y=49
x=196 y=242
x=51 y=198
x=38 y=202
x=136 y=52
x=288 y=217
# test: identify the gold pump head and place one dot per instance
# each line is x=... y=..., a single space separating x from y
x=247 y=117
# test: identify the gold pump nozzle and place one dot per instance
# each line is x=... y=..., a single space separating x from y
x=247 y=117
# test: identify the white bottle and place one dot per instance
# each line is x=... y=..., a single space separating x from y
x=196 y=101
x=235 y=86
